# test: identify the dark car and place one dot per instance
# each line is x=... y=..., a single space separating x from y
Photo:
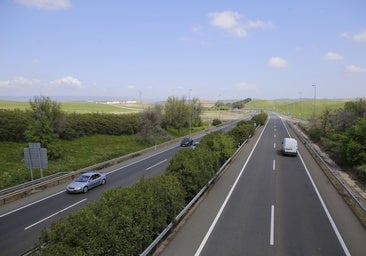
x=86 y=181
x=187 y=141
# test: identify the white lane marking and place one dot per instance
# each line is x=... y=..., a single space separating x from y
x=143 y=159
x=34 y=224
x=334 y=226
x=38 y=201
x=274 y=145
x=274 y=135
x=271 y=235
x=203 y=243
x=156 y=164
x=274 y=165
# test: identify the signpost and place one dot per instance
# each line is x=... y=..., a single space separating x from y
x=35 y=157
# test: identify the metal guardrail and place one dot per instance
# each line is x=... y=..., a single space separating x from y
x=341 y=182
x=30 y=183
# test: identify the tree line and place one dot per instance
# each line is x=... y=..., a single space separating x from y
x=342 y=133
x=126 y=220
x=46 y=123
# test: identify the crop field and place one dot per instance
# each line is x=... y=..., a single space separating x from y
x=82 y=107
x=298 y=108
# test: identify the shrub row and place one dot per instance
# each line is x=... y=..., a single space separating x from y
x=78 y=125
x=126 y=220
x=14 y=124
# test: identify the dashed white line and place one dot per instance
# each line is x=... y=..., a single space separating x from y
x=213 y=224
x=274 y=165
x=271 y=235
x=34 y=224
x=156 y=164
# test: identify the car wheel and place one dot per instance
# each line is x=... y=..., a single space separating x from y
x=103 y=181
x=85 y=189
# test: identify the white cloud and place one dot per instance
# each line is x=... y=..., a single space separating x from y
x=197 y=29
x=360 y=37
x=231 y=22
x=36 y=61
x=333 y=56
x=20 y=82
x=277 y=62
x=225 y=19
x=344 y=35
x=259 y=24
x=45 y=4
x=356 y=69
x=245 y=86
x=131 y=86
x=4 y=83
x=67 y=80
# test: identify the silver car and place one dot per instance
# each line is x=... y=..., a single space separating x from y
x=86 y=181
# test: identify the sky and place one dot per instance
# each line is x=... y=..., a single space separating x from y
x=209 y=49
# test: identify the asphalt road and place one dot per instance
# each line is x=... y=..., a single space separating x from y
x=269 y=204
x=21 y=222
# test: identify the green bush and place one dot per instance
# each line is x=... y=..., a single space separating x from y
x=123 y=222
x=260 y=118
x=216 y=122
x=242 y=131
x=13 y=124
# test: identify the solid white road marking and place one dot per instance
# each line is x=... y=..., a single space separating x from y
x=335 y=229
x=271 y=236
x=334 y=226
x=203 y=243
x=156 y=164
x=25 y=206
x=34 y=224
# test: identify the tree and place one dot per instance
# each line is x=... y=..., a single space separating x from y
x=47 y=123
x=196 y=111
x=176 y=113
x=150 y=125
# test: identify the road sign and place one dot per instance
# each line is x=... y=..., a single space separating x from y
x=35 y=157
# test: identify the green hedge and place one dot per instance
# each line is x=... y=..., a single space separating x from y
x=14 y=124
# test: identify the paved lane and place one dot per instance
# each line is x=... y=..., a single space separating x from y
x=270 y=208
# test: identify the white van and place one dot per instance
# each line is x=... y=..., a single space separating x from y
x=289 y=146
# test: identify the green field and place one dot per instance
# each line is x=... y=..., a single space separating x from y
x=78 y=153
x=298 y=108
x=81 y=107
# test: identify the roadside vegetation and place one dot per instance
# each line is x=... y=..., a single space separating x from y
x=76 y=140
x=342 y=134
x=126 y=220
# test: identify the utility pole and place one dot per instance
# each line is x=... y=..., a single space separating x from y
x=314 y=100
x=190 y=108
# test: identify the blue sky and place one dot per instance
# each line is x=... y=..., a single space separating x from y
x=205 y=49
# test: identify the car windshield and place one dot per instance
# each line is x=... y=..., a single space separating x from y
x=82 y=178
